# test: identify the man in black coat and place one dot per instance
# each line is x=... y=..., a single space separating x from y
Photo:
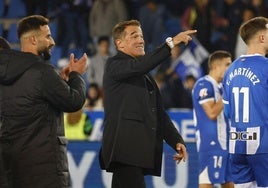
x=4 y=44
x=135 y=122
x=33 y=97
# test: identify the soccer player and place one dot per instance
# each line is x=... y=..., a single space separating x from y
x=246 y=103
x=211 y=125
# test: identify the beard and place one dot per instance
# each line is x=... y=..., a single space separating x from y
x=45 y=53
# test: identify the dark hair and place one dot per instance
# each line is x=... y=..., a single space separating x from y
x=219 y=54
x=248 y=29
x=103 y=38
x=119 y=29
x=4 y=44
x=190 y=77
x=31 y=23
x=251 y=9
x=95 y=86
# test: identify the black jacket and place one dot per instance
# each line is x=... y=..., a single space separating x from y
x=33 y=98
x=135 y=123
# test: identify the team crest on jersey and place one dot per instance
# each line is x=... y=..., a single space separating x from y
x=203 y=93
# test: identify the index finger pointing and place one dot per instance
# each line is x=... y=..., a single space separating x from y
x=188 y=32
x=71 y=57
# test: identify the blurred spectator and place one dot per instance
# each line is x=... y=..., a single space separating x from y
x=77 y=125
x=133 y=7
x=241 y=47
x=175 y=92
x=231 y=13
x=36 y=6
x=73 y=14
x=186 y=97
x=94 y=98
x=97 y=61
x=177 y=8
x=168 y=81
x=166 y=66
x=189 y=83
x=5 y=8
x=104 y=15
x=4 y=44
x=165 y=90
x=260 y=7
x=152 y=18
x=199 y=16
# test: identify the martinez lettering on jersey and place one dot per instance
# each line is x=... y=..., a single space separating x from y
x=246 y=72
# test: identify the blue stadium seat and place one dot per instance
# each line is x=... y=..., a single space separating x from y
x=12 y=36
x=16 y=9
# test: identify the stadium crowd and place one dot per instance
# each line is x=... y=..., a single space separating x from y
x=217 y=23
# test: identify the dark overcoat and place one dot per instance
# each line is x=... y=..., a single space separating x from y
x=135 y=122
x=33 y=98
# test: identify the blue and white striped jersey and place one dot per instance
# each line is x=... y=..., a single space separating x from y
x=211 y=135
x=245 y=96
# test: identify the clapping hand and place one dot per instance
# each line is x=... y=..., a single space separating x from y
x=77 y=65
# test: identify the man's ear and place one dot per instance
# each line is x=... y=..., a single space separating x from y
x=33 y=39
x=119 y=43
x=261 y=38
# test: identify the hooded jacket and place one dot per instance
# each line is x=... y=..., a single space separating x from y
x=33 y=98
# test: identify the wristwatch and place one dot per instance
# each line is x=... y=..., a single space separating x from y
x=170 y=42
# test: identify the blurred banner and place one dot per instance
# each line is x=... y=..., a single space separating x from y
x=86 y=173
x=189 y=62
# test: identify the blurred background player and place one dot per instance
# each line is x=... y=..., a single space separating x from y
x=211 y=125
